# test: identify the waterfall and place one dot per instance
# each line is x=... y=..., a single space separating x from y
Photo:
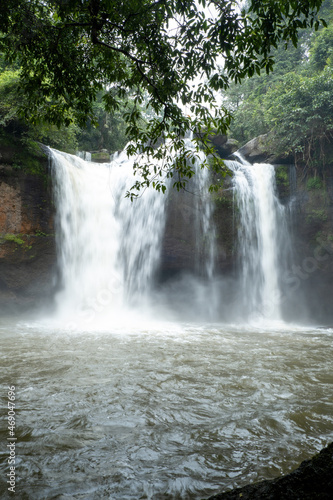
x=109 y=248
x=262 y=238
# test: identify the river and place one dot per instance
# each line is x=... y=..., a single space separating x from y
x=161 y=410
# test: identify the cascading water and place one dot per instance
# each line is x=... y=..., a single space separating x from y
x=204 y=227
x=109 y=248
x=262 y=238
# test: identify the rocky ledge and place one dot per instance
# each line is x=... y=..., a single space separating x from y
x=312 y=480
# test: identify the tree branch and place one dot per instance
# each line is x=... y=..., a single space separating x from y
x=137 y=61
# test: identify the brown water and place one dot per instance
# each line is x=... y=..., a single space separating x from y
x=161 y=410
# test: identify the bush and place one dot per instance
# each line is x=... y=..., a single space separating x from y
x=314 y=183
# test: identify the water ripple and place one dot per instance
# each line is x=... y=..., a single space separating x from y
x=164 y=415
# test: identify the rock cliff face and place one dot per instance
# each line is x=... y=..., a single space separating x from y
x=259 y=150
x=178 y=249
x=27 y=244
x=312 y=273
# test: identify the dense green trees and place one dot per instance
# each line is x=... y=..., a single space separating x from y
x=295 y=102
x=70 y=51
x=321 y=51
x=300 y=111
x=108 y=133
x=12 y=122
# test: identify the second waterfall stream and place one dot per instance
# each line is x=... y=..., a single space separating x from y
x=263 y=240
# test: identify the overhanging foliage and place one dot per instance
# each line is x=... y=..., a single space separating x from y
x=69 y=50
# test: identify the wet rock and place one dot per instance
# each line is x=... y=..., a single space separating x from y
x=261 y=149
x=230 y=147
x=312 y=480
x=179 y=240
x=27 y=241
x=224 y=146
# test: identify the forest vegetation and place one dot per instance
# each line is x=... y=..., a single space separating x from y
x=294 y=104
x=97 y=74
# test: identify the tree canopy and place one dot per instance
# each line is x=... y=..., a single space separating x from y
x=160 y=54
x=293 y=104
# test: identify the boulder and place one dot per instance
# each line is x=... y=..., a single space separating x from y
x=312 y=480
x=261 y=150
x=224 y=146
